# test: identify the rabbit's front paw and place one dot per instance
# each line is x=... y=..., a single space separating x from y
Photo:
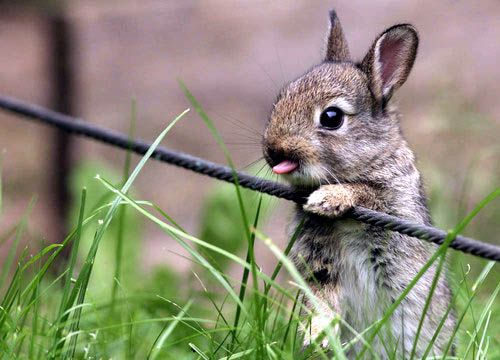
x=330 y=201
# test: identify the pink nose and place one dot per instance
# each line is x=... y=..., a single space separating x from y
x=285 y=167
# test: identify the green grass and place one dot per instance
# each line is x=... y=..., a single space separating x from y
x=101 y=305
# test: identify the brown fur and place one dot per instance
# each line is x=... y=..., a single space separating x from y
x=358 y=270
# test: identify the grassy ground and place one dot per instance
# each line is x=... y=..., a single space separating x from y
x=97 y=304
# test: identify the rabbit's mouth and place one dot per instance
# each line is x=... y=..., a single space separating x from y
x=299 y=174
x=285 y=167
x=291 y=166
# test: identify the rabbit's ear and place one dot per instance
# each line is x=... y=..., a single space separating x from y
x=337 y=49
x=390 y=59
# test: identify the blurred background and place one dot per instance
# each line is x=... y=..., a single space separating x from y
x=92 y=58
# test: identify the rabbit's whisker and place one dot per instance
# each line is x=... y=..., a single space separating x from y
x=253 y=163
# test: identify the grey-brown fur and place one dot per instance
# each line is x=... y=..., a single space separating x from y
x=357 y=270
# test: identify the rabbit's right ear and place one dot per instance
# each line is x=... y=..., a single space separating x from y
x=337 y=49
x=390 y=59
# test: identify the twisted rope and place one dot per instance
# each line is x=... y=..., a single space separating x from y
x=78 y=127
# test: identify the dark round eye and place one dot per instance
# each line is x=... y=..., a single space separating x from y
x=331 y=118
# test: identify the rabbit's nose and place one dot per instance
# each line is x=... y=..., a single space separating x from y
x=280 y=162
x=277 y=155
x=274 y=156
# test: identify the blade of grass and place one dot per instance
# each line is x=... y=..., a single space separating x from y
x=462 y=316
x=278 y=313
x=270 y=352
x=484 y=273
x=220 y=315
x=74 y=250
x=8 y=302
x=198 y=328
x=122 y=212
x=198 y=351
x=487 y=307
x=286 y=252
x=427 y=304
x=166 y=332
x=34 y=326
x=14 y=289
x=32 y=332
x=15 y=243
x=42 y=293
x=41 y=254
x=257 y=298
x=477 y=326
x=249 y=259
x=64 y=304
x=196 y=335
x=486 y=325
x=238 y=355
x=278 y=267
x=289 y=323
x=468 y=294
x=20 y=331
x=437 y=331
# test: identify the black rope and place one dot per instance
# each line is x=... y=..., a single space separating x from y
x=76 y=126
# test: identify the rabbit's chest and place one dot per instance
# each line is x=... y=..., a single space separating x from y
x=363 y=296
x=342 y=253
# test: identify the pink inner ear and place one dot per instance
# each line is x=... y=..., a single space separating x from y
x=390 y=51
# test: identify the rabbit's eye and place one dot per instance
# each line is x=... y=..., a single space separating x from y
x=331 y=118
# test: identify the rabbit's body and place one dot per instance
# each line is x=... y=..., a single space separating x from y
x=362 y=269
x=335 y=127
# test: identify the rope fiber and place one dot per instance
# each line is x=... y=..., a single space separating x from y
x=77 y=126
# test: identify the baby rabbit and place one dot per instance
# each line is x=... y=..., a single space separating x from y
x=336 y=129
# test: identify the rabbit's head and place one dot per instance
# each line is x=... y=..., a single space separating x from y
x=335 y=122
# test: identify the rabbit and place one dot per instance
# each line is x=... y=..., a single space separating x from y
x=335 y=131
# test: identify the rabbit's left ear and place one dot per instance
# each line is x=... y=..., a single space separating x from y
x=390 y=59
x=336 y=48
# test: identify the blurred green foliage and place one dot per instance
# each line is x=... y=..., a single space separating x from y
x=221 y=222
